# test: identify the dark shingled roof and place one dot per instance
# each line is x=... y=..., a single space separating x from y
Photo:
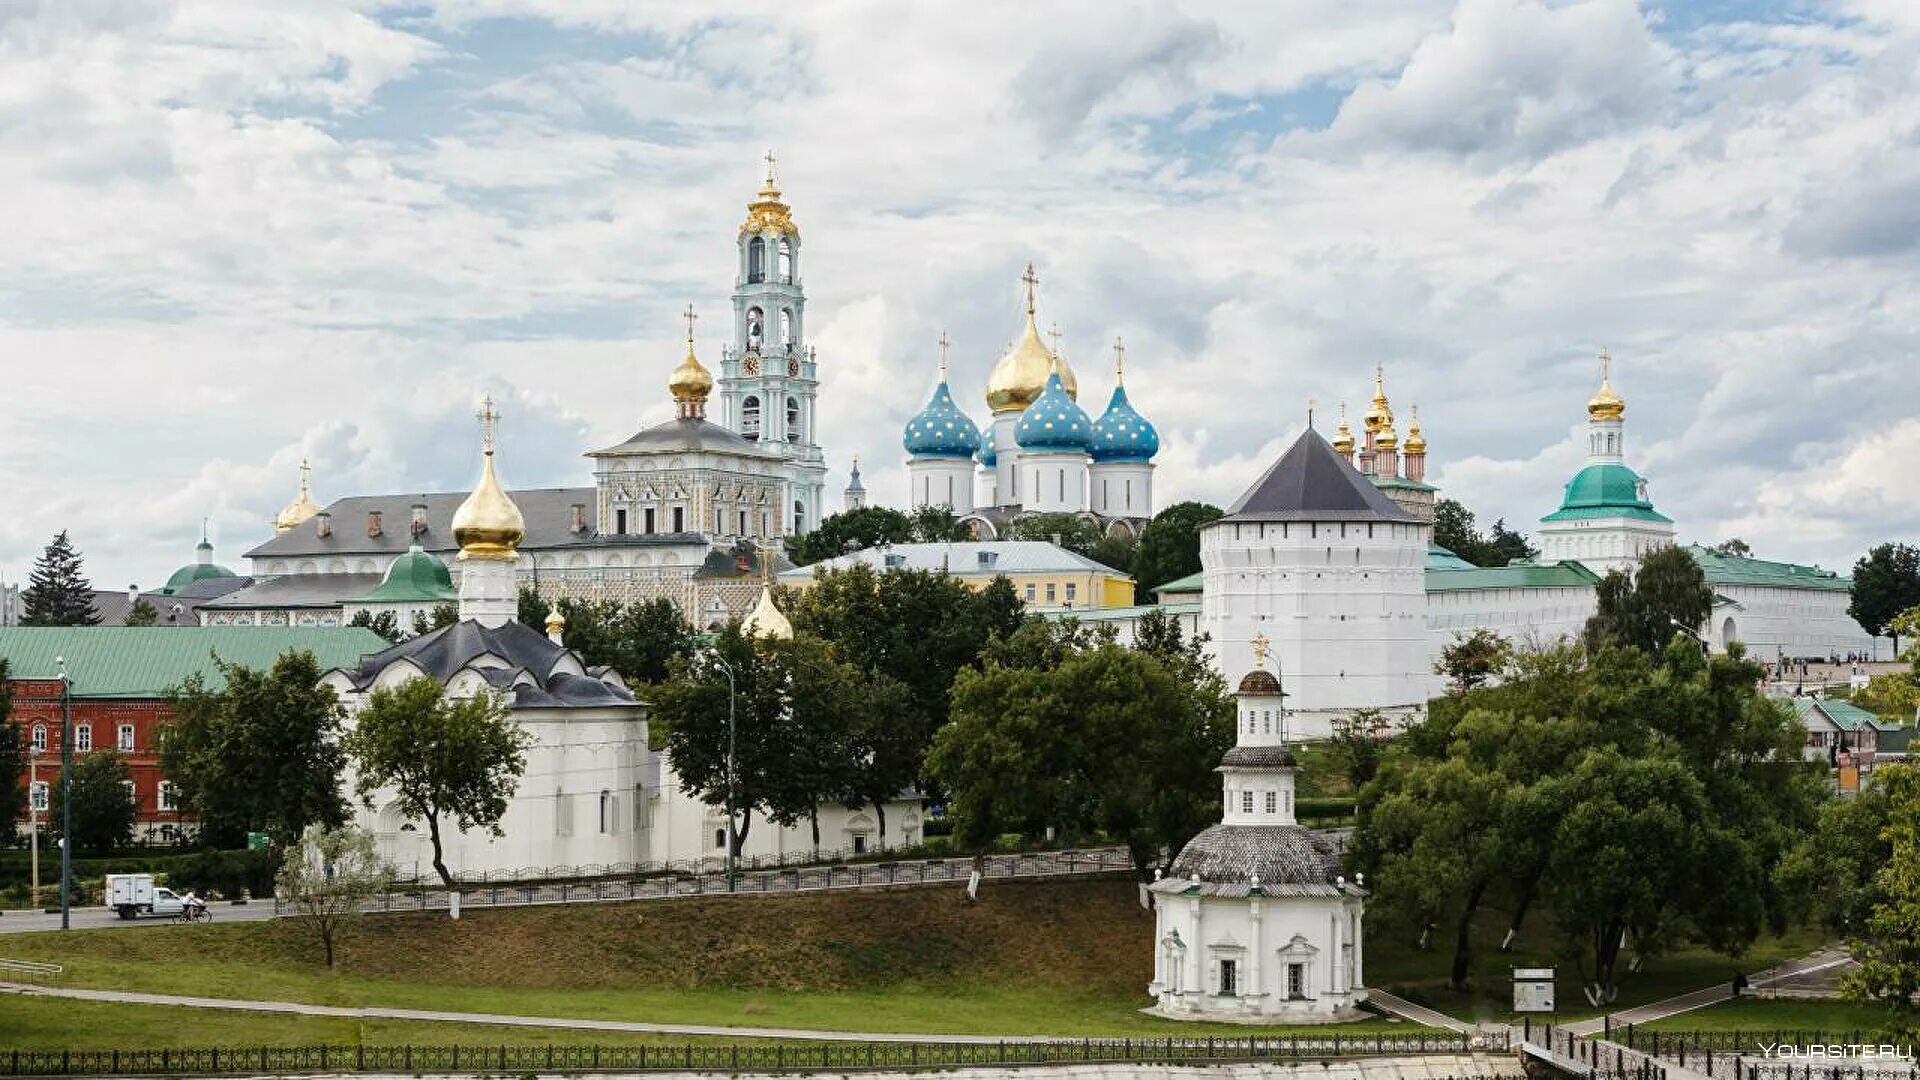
x=686 y=435
x=295 y=591
x=548 y=512
x=1259 y=757
x=1260 y=681
x=1311 y=482
x=451 y=648
x=1282 y=856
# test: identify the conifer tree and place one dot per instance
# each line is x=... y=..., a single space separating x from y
x=58 y=593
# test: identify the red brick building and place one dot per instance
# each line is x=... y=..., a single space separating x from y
x=121 y=677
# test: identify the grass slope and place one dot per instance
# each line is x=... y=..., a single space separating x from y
x=1067 y=958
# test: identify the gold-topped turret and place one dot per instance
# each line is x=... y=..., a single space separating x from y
x=301 y=510
x=1021 y=375
x=1378 y=415
x=766 y=619
x=1386 y=438
x=1416 y=442
x=691 y=382
x=488 y=525
x=766 y=213
x=1605 y=404
x=1343 y=435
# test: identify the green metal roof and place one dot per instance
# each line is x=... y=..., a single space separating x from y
x=1439 y=558
x=146 y=661
x=1723 y=570
x=1121 y=614
x=416 y=577
x=1401 y=483
x=1604 y=491
x=1845 y=715
x=1189 y=584
x=1559 y=575
x=195 y=571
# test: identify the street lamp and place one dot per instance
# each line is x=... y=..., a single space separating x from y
x=733 y=836
x=66 y=791
x=1690 y=632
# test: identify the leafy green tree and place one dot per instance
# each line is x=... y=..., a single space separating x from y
x=1170 y=546
x=1735 y=547
x=1504 y=546
x=638 y=640
x=58 y=592
x=1668 y=592
x=853 y=530
x=1080 y=535
x=447 y=760
x=142 y=613
x=1116 y=551
x=329 y=877
x=1888 y=940
x=261 y=753
x=1455 y=530
x=934 y=525
x=13 y=762
x=445 y=613
x=103 y=810
x=1472 y=658
x=386 y=624
x=1834 y=873
x=1886 y=582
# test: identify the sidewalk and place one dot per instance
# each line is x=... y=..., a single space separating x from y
x=1712 y=995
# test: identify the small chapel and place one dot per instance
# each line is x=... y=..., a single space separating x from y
x=1255 y=920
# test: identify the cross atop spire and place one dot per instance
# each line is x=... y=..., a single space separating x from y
x=1606 y=365
x=769 y=164
x=691 y=319
x=1260 y=645
x=943 y=355
x=1033 y=280
x=488 y=417
x=306 y=476
x=1053 y=338
x=203 y=529
x=1119 y=362
x=1311 y=404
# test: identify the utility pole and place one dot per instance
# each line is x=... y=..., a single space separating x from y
x=66 y=792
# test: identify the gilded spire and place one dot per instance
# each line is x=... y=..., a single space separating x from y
x=488 y=525
x=691 y=382
x=1605 y=404
x=300 y=510
x=766 y=213
x=1343 y=435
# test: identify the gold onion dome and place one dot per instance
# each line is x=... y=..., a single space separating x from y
x=301 y=510
x=1378 y=415
x=1386 y=439
x=1605 y=404
x=1416 y=442
x=488 y=525
x=765 y=620
x=691 y=382
x=1343 y=435
x=1021 y=375
x=766 y=213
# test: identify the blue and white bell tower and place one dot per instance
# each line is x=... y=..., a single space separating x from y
x=769 y=382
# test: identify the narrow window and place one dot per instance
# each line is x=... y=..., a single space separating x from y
x=126 y=738
x=1246 y=802
x=786 y=329
x=82 y=738
x=40 y=796
x=127 y=790
x=757 y=260
x=786 y=261
x=169 y=799
x=743 y=523
x=750 y=419
x=1029 y=592
x=620 y=522
x=639 y=807
x=793 y=420
x=40 y=738
x=1050 y=593
x=1070 y=590
x=1229 y=979
x=647 y=519
x=756 y=328
x=799 y=518
x=720 y=838
x=859 y=843
x=679 y=519
x=1296 y=980
x=1273 y=802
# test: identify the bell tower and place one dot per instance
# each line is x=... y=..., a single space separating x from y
x=769 y=384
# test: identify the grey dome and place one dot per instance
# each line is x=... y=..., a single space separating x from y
x=1259 y=757
x=1288 y=859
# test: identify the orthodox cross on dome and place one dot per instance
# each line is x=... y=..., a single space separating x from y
x=769 y=160
x=1053 y=338
x=1606 y=365
x=943 y=355
x=1260 y=645
x=1119 y=362
x=306 y=475
x=488 y=417
x=691 y=319
x=1033 y=280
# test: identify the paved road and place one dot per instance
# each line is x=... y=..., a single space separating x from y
x=1713 y=995
x=98 y=918
x=1419 y=1014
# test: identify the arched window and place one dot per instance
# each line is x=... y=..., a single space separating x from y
x=786 y=329
x=40 y=738
x=757 y=260
x=606 y=811
x=750 y=418
x=786 y=260
x=756 y=327
x=793 y=420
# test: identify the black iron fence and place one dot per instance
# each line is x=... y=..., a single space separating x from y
x=711 y=863
x=1779 y=1053
x=793 y=880
x=736 y=1057
x=1591 y=1056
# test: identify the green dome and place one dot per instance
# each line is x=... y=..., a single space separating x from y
x=1606 y=491
x=195 y=571
x=415 y=577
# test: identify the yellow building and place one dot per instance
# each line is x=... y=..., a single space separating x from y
x=1045 y=575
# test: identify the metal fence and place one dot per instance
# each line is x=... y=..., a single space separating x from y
x=1779 y=1054
x=736 y=1057
x=1592 y=1056
x=751 y=882
x=710 y=864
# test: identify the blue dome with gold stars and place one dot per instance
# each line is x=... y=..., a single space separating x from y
x=1121 y=434
x=1054 y=421
x=941 y=429
x=987 y=456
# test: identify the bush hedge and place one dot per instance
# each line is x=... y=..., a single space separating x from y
x=226 y=873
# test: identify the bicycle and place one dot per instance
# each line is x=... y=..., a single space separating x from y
x=195 y=914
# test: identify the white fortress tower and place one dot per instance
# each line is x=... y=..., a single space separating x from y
x=1317 y=561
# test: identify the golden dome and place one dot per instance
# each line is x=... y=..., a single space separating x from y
x=1416 y=442
x=301 y=510
x=691 y=382
x=766 y=213
x=1605 y=404
x=488 y=525
x=1021 y=375
x=765 y=620
x=1343 y=435
x=1385 y=438
x=1378 y=415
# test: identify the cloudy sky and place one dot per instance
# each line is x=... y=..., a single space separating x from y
x=237 y=232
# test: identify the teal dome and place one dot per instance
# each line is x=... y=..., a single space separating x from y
x=1121 y=434
x=988 y=456
x=1054 y=421
x=1606 y=490
x=202 y=569
x=941 y=429
x=416 y=577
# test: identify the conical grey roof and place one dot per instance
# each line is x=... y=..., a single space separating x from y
x=1311 y=482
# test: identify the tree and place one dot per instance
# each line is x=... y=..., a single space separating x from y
x=58 y=593
x=1734 y=547
x=103 y=811
x=386 y=624
x=13 y=761
x=329 y=877
x=1170 y=546
x=446 y=760
x=1888 y=943
x=1668 y=592
x=445 y=613
x=853 y=530
x=1886 y=582
x=142 y=613
x=1504 y=546
x=1471 y=659
x=1454 y=529
x=934 y=525
x=638 y=640
x=1078 y=534
x=260 y=753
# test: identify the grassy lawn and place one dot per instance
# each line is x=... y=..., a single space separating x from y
x=1030 y=959
x=1393 y=964
x=1782 y=1014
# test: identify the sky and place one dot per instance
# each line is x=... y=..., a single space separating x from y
x=237 y=233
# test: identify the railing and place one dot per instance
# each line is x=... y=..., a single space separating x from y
x=759 y=1057
x=1590 y=1055
x=1777 y=1054
x=756 y=882
x=713 y=863
x=20 y=970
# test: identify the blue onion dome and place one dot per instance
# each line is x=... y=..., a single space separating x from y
x=1054 y=421
x=988 y=456
x=941 y=429
x=1121 y=434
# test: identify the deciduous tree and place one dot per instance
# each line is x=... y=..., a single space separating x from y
x=1472 y=658
x=103 y=810
x=142 y=613
x=1667 y=593
x=1888 y=943
x=328 y=878
x=1886 y=582
x=386 y=624
x=446 y=760
x=58 y=592
x=1170 y=546
x=853 y=530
